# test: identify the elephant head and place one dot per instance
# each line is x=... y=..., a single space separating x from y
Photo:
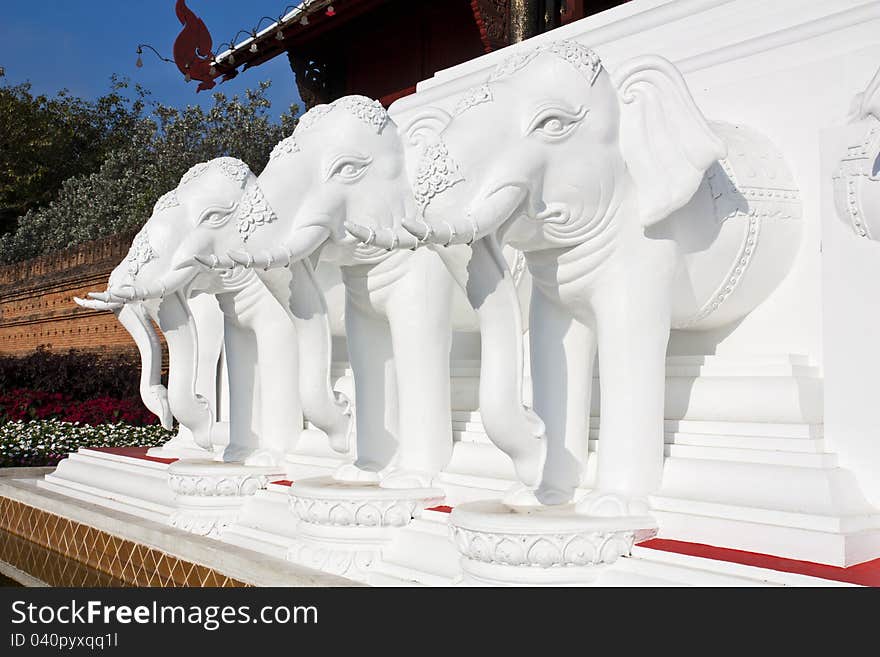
x=552 y=139
x=196 y=217
x=156 y=278
x=136 y=321
x=344 y=162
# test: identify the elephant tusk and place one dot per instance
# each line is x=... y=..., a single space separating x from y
x=92 y=304
x=126 y=293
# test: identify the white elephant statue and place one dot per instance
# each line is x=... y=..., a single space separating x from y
x=270 y=360
x=636 y=216
x=344 y=161
x=857 y=180
x=197 y=384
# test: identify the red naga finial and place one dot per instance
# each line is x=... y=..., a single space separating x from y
x=192 y=48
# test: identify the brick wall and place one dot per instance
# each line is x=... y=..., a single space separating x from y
x=36 y=300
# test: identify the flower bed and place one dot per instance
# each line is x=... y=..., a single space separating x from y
x=39 y=405
x=99 y=406
x=45 y=442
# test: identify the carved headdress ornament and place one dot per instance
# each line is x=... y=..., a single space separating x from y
x=231 y=167
x=585 y=60
x=367 y=110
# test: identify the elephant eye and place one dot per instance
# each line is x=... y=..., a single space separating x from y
x=348 y=168
x=555 y=122
x=216 y=215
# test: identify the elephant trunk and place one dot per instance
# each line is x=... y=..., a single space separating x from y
x=154 y=395
x=191 y=409
x=510 y=425
x=467 y=227
x=168 y=283
x=304 y=242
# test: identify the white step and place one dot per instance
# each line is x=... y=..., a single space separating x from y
x=698 y=571
x=797 y=459
x=436 y=564
x=805 y=445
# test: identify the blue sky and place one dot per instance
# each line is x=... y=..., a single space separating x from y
x=78 y=44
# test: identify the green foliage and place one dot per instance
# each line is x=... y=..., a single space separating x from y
x=44 y=141
x=136 y=151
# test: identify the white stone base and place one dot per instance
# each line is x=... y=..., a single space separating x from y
x=420 y=553
x=343 y=527
x=551 y=546
x=209 y=495
x=265 y=522
x=122 y=483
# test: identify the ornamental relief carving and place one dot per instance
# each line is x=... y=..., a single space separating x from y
x=857 y=178
x=354 y=564
x=243 y=485
x=202 y=525
x=253 y=212
x=356 y=513
x=286 y=146
x=543 y=550
x=437 y=172
x=140 y=253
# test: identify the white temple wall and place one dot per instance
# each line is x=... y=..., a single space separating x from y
x=788 y=69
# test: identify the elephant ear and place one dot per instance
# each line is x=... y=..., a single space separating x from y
x=664 y=138
x=426 y=126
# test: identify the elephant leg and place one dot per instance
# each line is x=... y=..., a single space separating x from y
x=191 y=409
x=562 y=354
x=633 y=331
x=512 y=427
x=281 y=419
x=369 y=349
x=241 y=360
x=209 y=321
x=325 y=409
x=421 y=335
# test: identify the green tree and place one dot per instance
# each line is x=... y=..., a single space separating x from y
x=44 y=141
x=153 y=145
